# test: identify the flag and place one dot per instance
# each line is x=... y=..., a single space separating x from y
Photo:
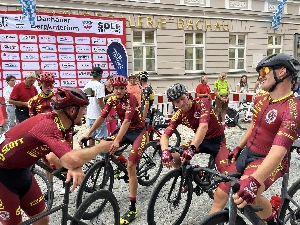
x=118 y=56
x=277 y=15
x=29 y=10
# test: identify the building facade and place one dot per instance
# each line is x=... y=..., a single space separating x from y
x=180 y=40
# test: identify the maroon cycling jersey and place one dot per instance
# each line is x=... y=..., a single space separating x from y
x=28 y=141
x=200 y=112
x=40 y=104
x=126 y=108
x=275 y=122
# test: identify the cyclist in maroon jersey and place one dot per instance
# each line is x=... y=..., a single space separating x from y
x=261 y=155
x=198 y=115
x=131 y=131
x=41 y=102
x=27 y=142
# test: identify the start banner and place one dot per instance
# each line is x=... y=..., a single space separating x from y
x=68 y=46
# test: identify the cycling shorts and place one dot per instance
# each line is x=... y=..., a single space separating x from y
x=137 y=138
x=248 y=162
x=216 y=147
x=19 y=190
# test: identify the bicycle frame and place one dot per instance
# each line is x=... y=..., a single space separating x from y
x=64 y=207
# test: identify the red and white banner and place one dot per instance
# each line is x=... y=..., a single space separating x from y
x=68 y=46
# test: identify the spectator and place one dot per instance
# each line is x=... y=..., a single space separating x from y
x=134 y=88
x=111 y=120
x=37 y=82
x=147 y=94
x=221 y=90
x=20 y=95
x=258 y=84
x=95 y=90
x=242 y=86
x=203 y=90
x=10 y=108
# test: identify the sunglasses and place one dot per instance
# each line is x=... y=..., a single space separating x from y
x=264 y=71
x=48 y=85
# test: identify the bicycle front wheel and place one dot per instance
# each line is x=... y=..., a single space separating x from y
x=98 y=177
x=289 y=211
x=170 y=201
x=150 y=165
x=45 y=185
x=109 y=214
x=159 y=130
x=221 y=218
x=243 y=118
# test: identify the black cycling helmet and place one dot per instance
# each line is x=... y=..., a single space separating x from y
x=280 y=60
x=143 y=75
x=175 y=91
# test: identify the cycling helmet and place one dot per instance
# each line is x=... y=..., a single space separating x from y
x=46 y=77
x=175 y=91
x=143 y=75
x=118 y=81
x=69 y=96
x=280 y=60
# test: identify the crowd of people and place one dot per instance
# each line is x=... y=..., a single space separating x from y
x=46 y=122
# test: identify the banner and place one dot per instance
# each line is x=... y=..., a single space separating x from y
x=118 y=55
x=68 y=46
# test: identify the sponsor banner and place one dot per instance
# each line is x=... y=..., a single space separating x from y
x=68 y=46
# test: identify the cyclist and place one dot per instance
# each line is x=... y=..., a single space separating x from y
x=147 y=94
x=32 y=139
x=131 y=131
x=198 y=115
x=264 y=147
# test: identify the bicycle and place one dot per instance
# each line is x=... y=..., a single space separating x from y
x=155 y=130
x=175 y=189
x=111 y=206
x=289 y=209
x=101 y=175
x=245 y=114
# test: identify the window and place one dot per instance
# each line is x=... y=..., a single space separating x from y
x=237 y=51
x=194 y=52
x=144 y=50
x=274 y=44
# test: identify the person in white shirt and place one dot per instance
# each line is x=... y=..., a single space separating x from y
x=242 y=86
x=96 y=92
x=10 y=109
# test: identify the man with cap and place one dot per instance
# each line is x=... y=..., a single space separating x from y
x=96 y=92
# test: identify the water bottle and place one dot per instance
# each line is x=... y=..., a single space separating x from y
x=275 y=202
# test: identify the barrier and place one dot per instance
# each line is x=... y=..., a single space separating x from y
x=162 y=103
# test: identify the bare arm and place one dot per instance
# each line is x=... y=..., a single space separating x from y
x=270 y=163
x=238 y=88
x=101 y=103
x=200 y=134
x=124 y=128
x=145 y=112
x=18 y=103
x=164 y=141
x=246 y=136
x=217 y=95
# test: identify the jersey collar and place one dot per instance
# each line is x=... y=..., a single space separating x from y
x=280 y=99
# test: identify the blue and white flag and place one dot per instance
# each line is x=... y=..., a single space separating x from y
x=277 y=15
x=29 y=10
x=118 y=56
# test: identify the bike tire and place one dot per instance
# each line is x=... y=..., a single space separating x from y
x=243 y=121
x=287 y=205
x=151 y=158
x=92 y=182
x=105 y=195
x=220 y=218
x=175 y=138
x=156 y=210
x=45 y=185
